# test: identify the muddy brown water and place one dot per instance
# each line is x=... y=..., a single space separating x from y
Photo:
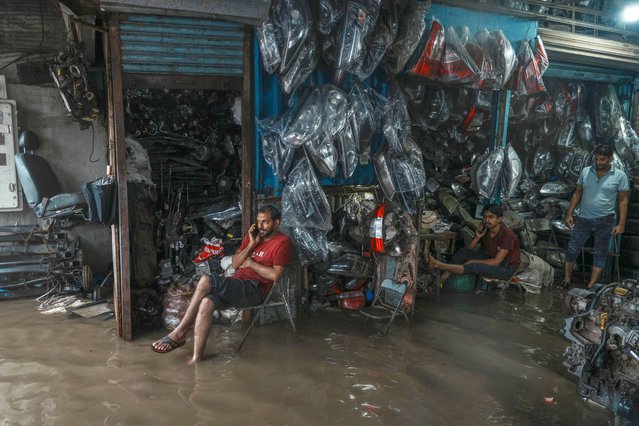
x=468 y=360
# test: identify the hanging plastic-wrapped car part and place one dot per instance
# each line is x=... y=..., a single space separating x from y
x=412 y=24
x=306 y=122
x=382 y=171
x=376 y=230
x=296 y=20
x=356 y=29
x=542 y=163
x=527 y=77
x=304 y=204
x=457 y=65
x=541 y=57
x=488 y=78
x=486 y=173
x=321 y=151
x=302 y=67
x=407 y=173
x=428 y=61
x=396 y=122
x=512 y=172
x=505 y=59
x=380 y=41
x=276 y=153
x=557 y=189
x=268 y=36
x=330 y=13
x=566 y=136
x=365 y=120
x=347 y=148
x=607 y=111
x=584 y=129
x=336 y=109
x=311 y=245
x=627 y=143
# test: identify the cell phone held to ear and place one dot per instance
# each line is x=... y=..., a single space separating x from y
x=256 y=231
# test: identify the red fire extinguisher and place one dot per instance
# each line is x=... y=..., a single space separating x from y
x=376 y=230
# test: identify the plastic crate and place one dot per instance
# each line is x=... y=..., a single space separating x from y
x=461 y=283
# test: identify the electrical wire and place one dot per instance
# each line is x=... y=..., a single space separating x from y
x=39 y=45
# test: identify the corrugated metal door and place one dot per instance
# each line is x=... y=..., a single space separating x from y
x=177 y=45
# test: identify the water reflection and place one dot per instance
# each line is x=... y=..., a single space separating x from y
x=467 y=361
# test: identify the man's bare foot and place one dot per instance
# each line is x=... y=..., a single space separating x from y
x=169 y=342
x=193 y=361
x=432 y=262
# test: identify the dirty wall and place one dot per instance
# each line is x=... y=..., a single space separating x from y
x=75 y=156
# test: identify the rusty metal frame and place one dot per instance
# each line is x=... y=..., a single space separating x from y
x=248 y=135
x=120 y=232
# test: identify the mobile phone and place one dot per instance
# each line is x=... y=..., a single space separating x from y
x=255 y=232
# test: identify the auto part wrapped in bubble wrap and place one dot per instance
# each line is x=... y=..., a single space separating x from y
x=457 y=66
x=336 y=109
x=412 y=24
x=486 y=173
x=311 y=245
x=302 y=67
x=331 y=13
x=357 y=27
x=267 y=36
x=276 y=153
x=427 y=58
x=296 y=21
x=322 y=152
x=307 y=121
x=304 y=204
x=347 y=148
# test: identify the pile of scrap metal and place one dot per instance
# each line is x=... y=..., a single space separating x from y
x=603 y=330
x=36 y=262
x=183 y=180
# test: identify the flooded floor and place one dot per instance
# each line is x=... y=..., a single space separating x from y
x=469 y=360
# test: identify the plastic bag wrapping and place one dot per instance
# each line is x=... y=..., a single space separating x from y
x=627 y=144
x=267 y=36
x=380 y=42
x=323 y=154
x=512 y=172
x=527 y=77
x=457 y=64
x=351 y=265
x=427 y=58
x=607 y=112
x=583 y=126
x=304 y=204
x=302 y=67
x=537 y=275
x=542 y=163
x=516 y=5
x=541 y=57
x=357 y=26
x=224 y=213
x=311 y=245
x=307 y=121
x=330 y=13
x=498 y=61
x=486 y=173
x=365 y=118
x=566 y=135
x=506 y=61
x=336 y=109
x=347 y=147
x=396 y=122
x=296 y=21
x=101 y=196
x=276 y=153
x=412 y=24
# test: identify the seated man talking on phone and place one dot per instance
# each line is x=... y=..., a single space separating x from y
x=498 y=257
x=260 y=260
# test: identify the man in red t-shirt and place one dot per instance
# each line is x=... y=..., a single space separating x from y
x=260 y=260
x=499 y=258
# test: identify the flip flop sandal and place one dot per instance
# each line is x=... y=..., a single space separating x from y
x=172 y=345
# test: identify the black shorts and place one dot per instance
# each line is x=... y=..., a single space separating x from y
x=229 y=292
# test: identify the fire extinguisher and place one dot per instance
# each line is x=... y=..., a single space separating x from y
x=376 y=230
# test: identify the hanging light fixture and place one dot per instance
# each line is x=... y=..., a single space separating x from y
x=630 y=13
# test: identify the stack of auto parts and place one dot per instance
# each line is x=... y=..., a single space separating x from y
x=34 y=261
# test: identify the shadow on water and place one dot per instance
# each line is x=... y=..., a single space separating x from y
x=467 y=361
